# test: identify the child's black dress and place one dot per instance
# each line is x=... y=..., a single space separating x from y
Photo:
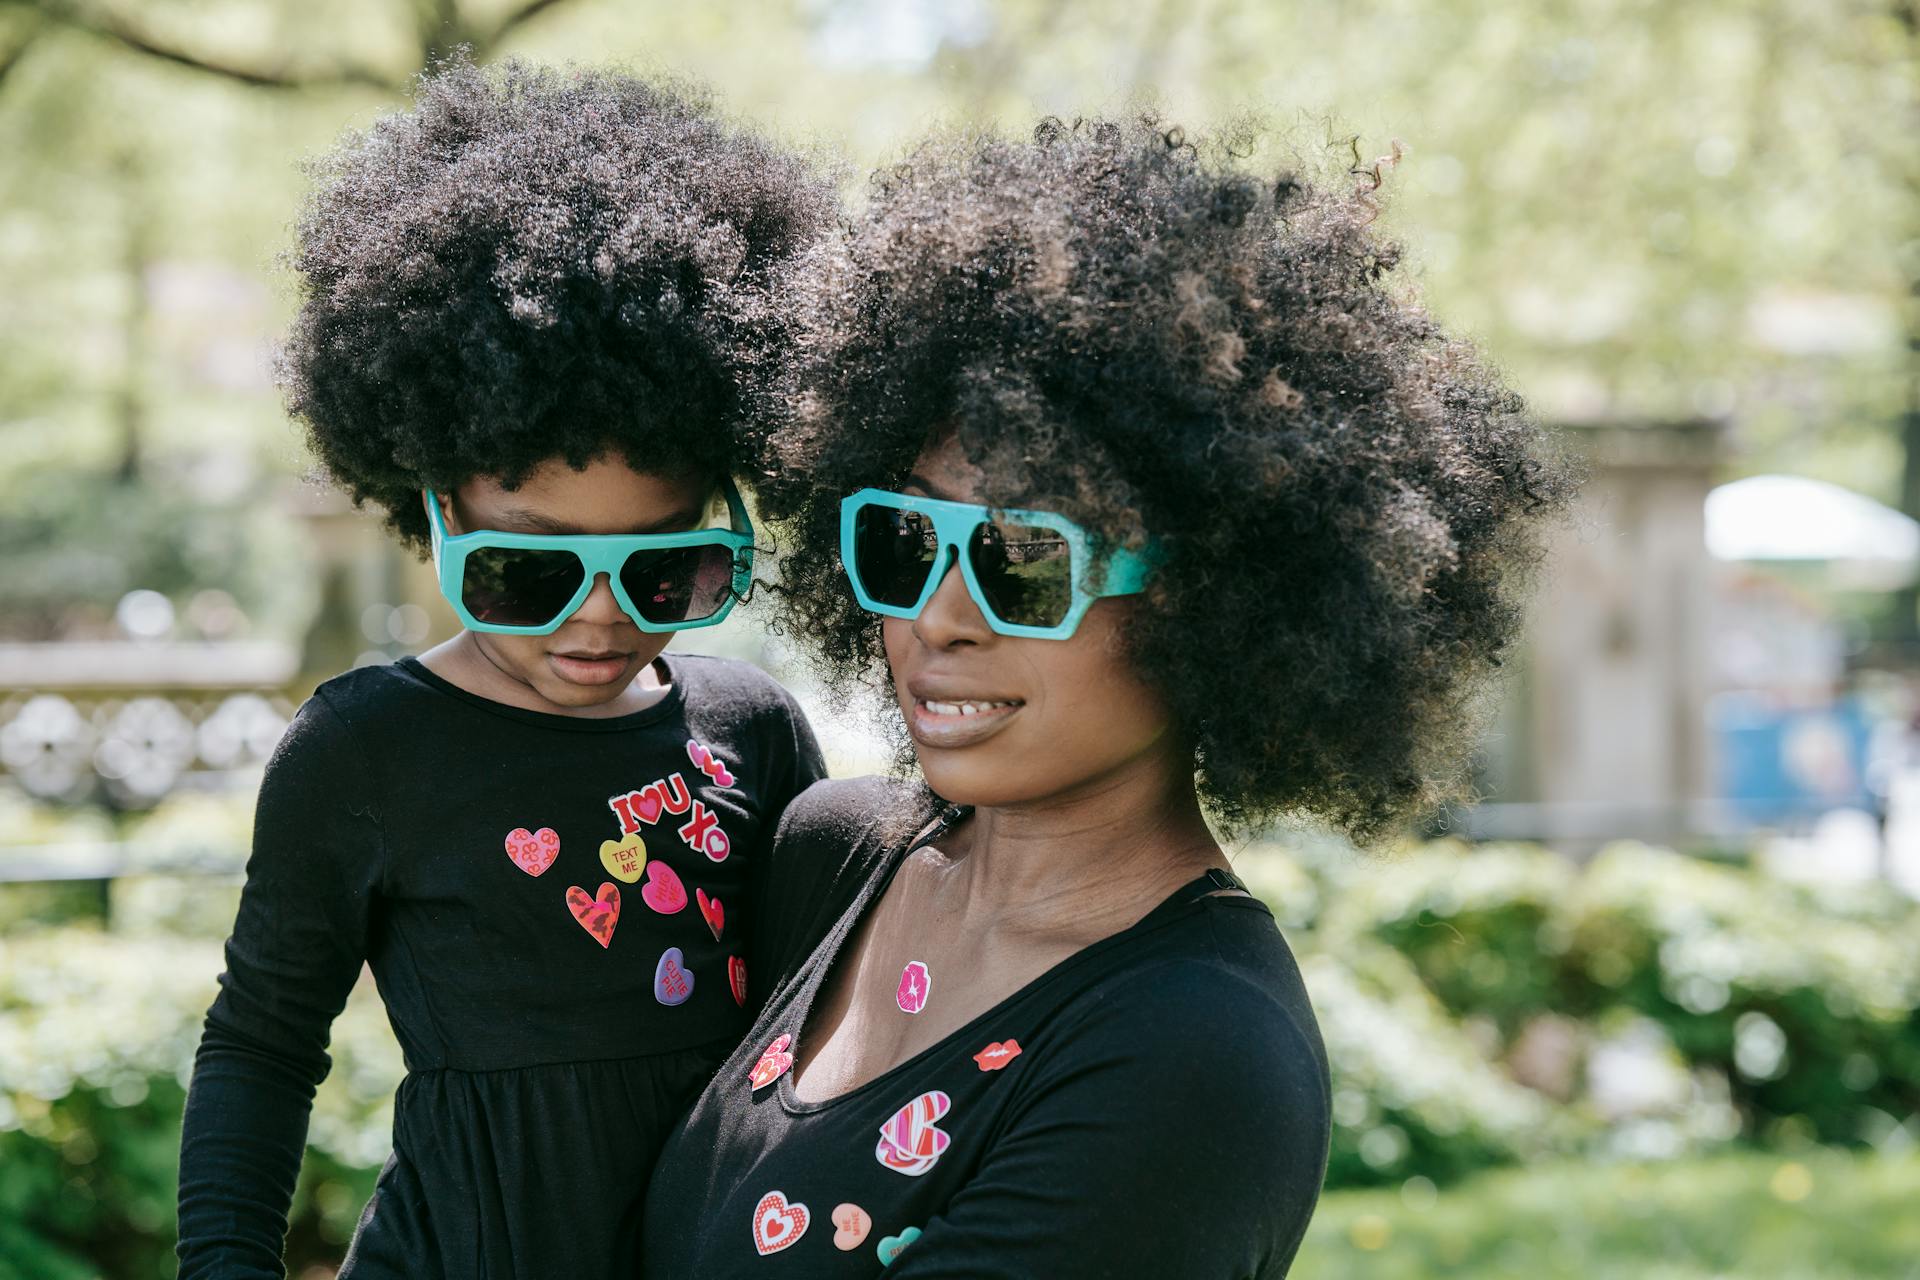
x=556 y=911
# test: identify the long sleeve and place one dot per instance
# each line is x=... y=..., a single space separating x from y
x=1178 y=1137
x=297 y=947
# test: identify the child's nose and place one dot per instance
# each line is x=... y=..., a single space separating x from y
x=600 y=608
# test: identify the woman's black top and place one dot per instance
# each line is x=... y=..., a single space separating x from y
x=558 y=913
x=1156 y=1105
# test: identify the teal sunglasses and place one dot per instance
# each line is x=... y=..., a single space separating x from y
x=528 y=584
x=1032 y=573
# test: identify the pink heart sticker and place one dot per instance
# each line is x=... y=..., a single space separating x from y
x=533 y=851
x=776 y=1223
x=663 y=890
x=774 y=1063
x=598 y=914
x=711 y=910
x=709 y=764
x=910 y=1142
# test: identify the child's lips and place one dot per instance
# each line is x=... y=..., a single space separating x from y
x=590 y=668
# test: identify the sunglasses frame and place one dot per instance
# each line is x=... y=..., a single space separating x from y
x=1125 y=571
x=598 y=553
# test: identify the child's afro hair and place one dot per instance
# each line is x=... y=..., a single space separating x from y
x=535 y=263
x=1123 y=324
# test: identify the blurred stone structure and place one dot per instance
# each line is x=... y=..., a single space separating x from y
x=1604 y=734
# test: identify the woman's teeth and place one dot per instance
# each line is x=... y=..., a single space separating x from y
x=964 y=708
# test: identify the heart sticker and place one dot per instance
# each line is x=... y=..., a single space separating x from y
x=909 y=1141
x=890 y=1246
x=709 y=764
x=773 y=1064
x=672 y=980
x=623 y=858
x=737 y=979
x=915 y=983
x=851 y=1225
x=598 y=914
x=712 y=911
x=533 y=851
x=997 y=1055
x=663 y=890
x=777 y=1224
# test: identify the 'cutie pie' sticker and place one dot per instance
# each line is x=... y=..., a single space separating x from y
x=777 y=1223
x=672 y=980
x=915 y=983
x=998 y=1054
x=774 y=1063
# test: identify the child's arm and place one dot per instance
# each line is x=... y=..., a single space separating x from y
x=295 y=953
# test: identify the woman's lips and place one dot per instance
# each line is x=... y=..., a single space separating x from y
x=958 y=722
x=590 y=668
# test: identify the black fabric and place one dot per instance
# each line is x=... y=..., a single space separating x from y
x=543 y=1072
x=1167 y=1114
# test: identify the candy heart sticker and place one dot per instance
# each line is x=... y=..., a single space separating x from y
x=737 y=979
x=909 y=1140
x=710 y=908
x=663 y=890
x=623 y=858
x=915 y=983
x=890 y=1246
x=598 y=914
x=672 y=980
x=533 y=851
x=777 y=1224
x=773 y=1064
x=997 y=1055
x=851 y=1225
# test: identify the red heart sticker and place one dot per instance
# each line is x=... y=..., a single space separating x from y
x=533 y=851
x=997 y=1055
x=737 y=979
x=598 y=914
x=710 y=908
x=773 y=1064
x=776 y=1223
x=663 y=890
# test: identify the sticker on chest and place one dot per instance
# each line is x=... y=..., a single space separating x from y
x=891 y=1246
x=533 y=851
x=777 y=1223
x=598 y=914
x=672 y=980
x=998 y=1054
x=915 y=985
x=774 y=1063
x=851 y=1224
x=708 y=763
x=910 y=1141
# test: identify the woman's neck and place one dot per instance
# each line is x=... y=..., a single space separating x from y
x=1084 y=862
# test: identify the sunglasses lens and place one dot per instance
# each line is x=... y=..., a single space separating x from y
x=517 y=587
x=1025 y=571
x=685 y=584
x=893 y=552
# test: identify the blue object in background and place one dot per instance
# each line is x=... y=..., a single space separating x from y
x=1778 y=763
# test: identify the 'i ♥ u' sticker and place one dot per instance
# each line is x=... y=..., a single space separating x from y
x=910 y=1142
x=915 y=983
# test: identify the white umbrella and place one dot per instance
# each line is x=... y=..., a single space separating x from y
x=1797 y=518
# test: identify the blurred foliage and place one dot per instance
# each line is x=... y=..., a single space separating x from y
x=1817 y=1215
x=1640 y=209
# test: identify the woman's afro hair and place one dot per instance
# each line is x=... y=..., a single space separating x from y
x=535 y=263
x=1123 y=324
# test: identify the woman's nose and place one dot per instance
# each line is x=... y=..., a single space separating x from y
x=950 y=616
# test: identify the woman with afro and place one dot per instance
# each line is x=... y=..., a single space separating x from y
x=1131 y=479
x=529 y=305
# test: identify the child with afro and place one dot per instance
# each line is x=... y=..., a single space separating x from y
x=528 y=308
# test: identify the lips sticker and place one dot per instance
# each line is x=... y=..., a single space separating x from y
x=533 y=851
x=623 y=858
x=915 y=983
x=598 y=914
x=910 y=1142
x=663 y=890
x=711 y=911
x=776 y=1223
x=997 y=1055
x=672 y=980
x=773 y=1064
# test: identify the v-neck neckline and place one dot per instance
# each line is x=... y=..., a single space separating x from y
x=807 y=994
